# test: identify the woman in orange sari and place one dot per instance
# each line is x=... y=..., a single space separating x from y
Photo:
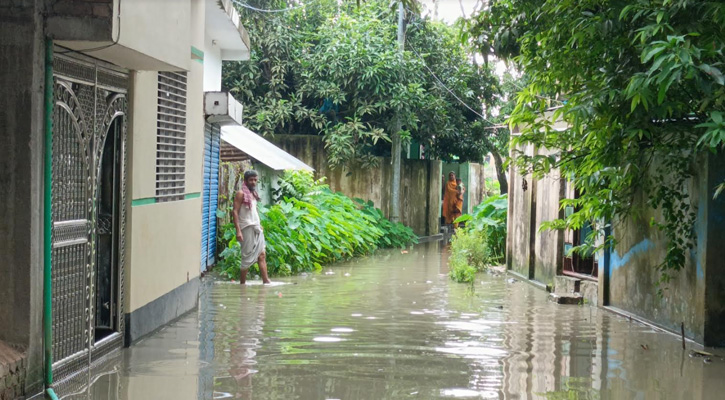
x=450 y=199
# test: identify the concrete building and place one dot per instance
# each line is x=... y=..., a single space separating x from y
x=107 y=169
x=624 y=279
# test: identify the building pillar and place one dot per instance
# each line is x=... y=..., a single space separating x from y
x=435 y=170
x=715 y=254
x=22 y=66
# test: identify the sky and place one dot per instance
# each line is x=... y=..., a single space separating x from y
x=449 y=11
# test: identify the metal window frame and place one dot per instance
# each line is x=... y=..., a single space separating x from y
x=171 y=125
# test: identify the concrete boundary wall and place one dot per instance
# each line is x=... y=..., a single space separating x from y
x=695 y=296
x=420 y=182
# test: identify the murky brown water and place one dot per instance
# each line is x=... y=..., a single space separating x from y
x=394 y=326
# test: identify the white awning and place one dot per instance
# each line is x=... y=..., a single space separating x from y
x=261 y=150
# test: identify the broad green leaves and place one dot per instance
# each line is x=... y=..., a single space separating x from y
x=483 y=240
x=310 y=226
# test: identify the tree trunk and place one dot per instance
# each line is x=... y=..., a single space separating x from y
x=500 y=172
x=395 y=201
x=397 y=145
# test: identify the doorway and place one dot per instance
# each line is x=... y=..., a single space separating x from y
x=88 y=194
x=581 y=265
x=107 y=233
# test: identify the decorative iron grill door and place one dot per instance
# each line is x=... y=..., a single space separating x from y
x=89 y=102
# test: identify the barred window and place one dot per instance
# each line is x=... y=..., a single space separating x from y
x=171 y=137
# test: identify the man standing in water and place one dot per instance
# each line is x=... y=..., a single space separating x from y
x=249 y=229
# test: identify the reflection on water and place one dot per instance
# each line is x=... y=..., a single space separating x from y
x=394 y=326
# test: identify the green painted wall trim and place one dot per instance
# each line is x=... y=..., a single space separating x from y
x=143 y=202
x=197 y=55
x=152 y=200
x=48 y=219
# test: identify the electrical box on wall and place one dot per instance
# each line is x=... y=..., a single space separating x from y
x=222 y=108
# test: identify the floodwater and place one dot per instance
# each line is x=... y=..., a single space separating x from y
x=393 y=326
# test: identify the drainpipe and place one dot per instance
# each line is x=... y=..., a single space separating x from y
x=48 y=222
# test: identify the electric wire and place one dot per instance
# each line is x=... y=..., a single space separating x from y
x=452 y=93
x=247 y=6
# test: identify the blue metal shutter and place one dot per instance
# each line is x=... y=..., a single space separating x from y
x=205 y=197
x=213 y=194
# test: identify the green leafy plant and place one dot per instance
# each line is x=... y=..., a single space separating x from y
x=489 y=219
x=469 y=254
x=295 y=185
x=312 y=228
x=395 y=234
x=492 y=187
x=482 y=242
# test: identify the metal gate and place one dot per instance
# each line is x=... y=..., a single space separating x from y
x=88 y=212
x=210 y=195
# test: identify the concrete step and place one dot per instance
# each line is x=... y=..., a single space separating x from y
x=574 y=298
x=590 y=291
x=566 y=285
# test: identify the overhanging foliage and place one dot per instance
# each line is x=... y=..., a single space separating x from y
x=334 y=70
x=639 y=84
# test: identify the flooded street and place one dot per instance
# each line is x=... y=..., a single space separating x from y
x=394 y=326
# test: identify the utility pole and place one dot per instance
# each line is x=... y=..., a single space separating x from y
x=397 y=141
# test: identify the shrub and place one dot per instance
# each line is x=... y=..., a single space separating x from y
x=461 y=272
x=469 y=254
x=395 y=234
x=482 y=242
x=310 y=226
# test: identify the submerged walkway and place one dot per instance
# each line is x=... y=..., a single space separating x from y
x=394 y=326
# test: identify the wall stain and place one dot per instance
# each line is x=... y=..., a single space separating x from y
x=641 y=247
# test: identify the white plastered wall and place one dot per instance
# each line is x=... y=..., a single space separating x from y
x=212 y=66
x=164 y=239
x=141 y=20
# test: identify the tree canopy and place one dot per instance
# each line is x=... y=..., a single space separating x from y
x=639 y=83
x=335 y=70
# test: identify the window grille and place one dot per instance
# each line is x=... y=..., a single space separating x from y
x=171 y=137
